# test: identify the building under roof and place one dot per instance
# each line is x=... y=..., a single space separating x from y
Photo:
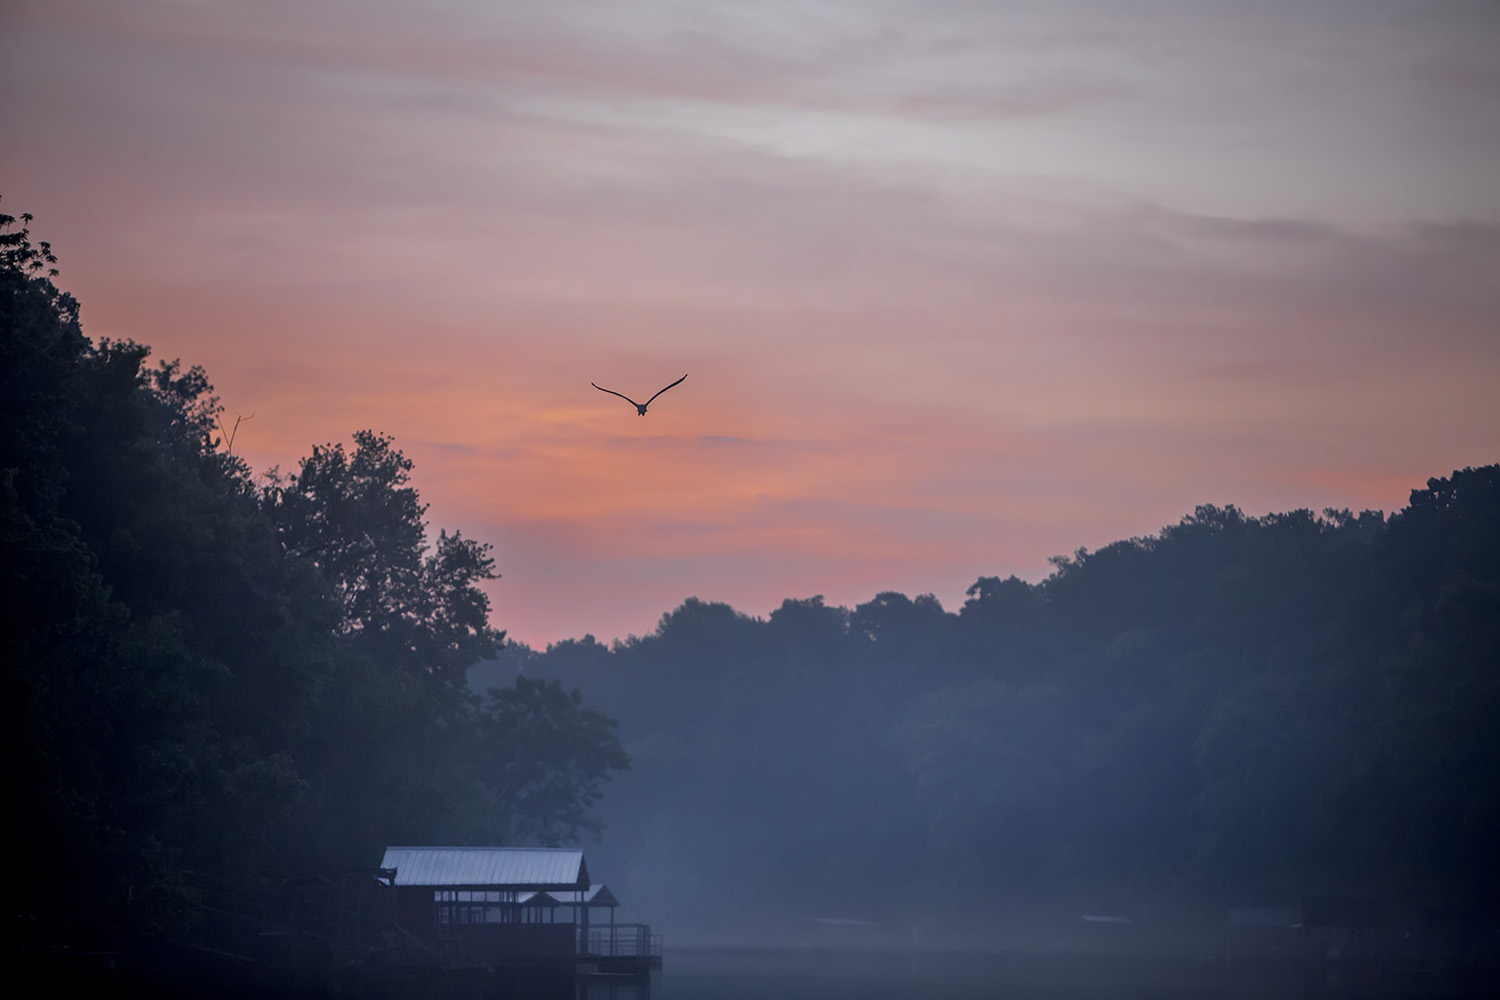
x=483 y=905
x=503 y=868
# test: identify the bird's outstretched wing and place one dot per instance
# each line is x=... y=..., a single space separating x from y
x=658 y=392
x=627 y=398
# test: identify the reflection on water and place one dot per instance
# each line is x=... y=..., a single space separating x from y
x=721 y=975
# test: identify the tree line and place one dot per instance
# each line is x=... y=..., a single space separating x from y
x=1235 y=710
x=245 y=677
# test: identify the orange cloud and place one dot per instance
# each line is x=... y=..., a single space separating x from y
x=937 y=323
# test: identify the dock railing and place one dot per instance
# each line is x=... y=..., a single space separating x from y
x=624 y=941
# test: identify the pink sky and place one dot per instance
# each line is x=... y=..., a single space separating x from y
x=957 y=286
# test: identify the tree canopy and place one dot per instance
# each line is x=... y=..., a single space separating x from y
x=243 y=678
x=1232 y=710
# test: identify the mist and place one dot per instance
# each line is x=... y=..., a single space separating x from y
x=1034 y=587
x=1231 y=712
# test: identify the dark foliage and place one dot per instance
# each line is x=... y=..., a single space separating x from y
x=245 y=681
x=1233 y=710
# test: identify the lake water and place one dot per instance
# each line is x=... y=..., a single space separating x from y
x=763 y=975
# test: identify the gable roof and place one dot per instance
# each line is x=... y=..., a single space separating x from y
x=537 y=899
x=506 y=867
x=598 y=894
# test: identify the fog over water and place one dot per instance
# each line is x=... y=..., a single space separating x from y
x=1069 y=568
x=747 y=975
x=1234 y=713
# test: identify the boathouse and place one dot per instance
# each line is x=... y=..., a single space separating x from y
x=467 y=902
x=489 y=905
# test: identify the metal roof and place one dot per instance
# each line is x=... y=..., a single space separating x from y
x=509 y=867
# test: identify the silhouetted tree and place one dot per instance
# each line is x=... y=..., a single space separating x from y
x=206 y=675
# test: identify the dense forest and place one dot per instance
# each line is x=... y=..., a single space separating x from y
x=214 y=674
x=248 y=676
x=1235 y=710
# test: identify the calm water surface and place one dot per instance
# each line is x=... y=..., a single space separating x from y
x=719 y=975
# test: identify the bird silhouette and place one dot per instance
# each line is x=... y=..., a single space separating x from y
x=640 y=408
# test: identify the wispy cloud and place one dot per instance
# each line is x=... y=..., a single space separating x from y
x=960 y=286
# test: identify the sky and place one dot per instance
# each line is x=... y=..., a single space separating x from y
x=957 y=286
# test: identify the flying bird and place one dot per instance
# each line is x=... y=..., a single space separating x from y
x=640 y=408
